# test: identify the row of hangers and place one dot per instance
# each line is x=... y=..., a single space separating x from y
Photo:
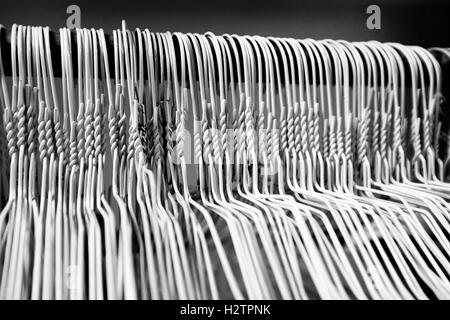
x=208 y=166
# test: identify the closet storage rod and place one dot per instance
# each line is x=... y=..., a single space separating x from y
x=5 y=45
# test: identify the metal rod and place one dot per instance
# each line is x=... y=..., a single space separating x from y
x=5 y=45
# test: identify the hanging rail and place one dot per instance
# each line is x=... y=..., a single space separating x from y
x=5 y=45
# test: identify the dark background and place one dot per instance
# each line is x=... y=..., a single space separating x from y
x=420 y=22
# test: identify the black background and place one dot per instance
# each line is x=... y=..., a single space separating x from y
x=420 y=22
